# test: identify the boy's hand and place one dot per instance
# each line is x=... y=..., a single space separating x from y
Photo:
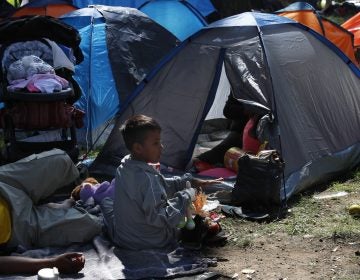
x=69 y=262
x=200 y=183
x=192 y=193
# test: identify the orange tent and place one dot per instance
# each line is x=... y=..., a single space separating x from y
x=54 y=8
x=305 y=14
x=353 y=25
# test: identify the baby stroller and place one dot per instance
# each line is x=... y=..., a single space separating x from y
x=38 y=54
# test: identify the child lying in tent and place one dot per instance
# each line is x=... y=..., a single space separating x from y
x=147 y=207
x=23 y=184
x=242 y=137
x=234 y=111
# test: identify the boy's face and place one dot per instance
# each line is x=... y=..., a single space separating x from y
x=150 y=150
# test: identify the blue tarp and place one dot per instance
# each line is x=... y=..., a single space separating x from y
x=205 y=7
x=178 y=17
x=94 y=74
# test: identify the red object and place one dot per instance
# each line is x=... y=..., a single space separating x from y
x=250 y=143
x=202 y=165
x=213 y=228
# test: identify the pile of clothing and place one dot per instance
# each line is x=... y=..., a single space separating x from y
x=32 y=66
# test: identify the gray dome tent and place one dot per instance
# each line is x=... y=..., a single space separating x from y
x=305 y=88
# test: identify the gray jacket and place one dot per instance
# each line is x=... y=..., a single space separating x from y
x=147 y=206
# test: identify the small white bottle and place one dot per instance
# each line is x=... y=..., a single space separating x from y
x=48 y=274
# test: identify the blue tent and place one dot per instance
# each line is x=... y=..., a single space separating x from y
x=120 y=46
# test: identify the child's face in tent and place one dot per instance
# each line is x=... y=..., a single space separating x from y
x=150 y=149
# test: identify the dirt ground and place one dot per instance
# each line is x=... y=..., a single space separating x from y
x=288 y=257
x=318 y=253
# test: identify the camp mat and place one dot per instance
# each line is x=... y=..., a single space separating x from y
x=104 y=261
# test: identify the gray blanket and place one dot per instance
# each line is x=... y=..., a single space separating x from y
x=104 y=261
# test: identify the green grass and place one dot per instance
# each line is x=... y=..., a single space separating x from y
x=90 y=154
x=338 y=19
x=15 y=3
x=322 y=218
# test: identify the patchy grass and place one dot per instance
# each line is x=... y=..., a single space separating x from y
x=91 y=154
x=306 y=216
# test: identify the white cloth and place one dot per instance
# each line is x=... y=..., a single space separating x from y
x=26 y=67
x=59 y=57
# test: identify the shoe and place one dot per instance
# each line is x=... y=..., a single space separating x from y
x=233 y=211
x=228 y=210
x=252 y=216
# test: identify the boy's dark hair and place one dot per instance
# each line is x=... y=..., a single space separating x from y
x=135 y=129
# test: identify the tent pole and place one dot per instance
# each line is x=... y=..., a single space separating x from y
x=88 y=136
x=274 y=112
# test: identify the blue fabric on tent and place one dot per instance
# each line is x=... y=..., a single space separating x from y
x=95 y=67
x=175 y=16
x=82 y=17
x=124 y=3
x=96 y=62
x=205 y=7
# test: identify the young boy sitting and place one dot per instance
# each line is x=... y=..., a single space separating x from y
x=147 y=207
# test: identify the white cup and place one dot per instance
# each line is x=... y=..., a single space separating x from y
x=48 y=274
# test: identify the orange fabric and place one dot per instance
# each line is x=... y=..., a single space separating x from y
x=307 y=18
x=54 y=10
x=353 y=25
x=335 y=34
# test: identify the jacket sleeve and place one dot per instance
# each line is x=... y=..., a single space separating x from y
x=176 y=183
x=160 y=211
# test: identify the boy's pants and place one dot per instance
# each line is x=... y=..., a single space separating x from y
x=24 y=183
